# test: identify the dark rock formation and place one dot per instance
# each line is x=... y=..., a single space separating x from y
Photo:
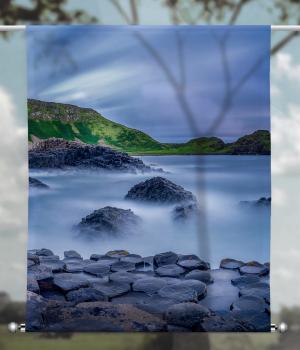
x=59 y=153
x=260 y=203
x=159 y=190
x=35 y=183
x=185 y=211
x=109 y=220
x=90 y=296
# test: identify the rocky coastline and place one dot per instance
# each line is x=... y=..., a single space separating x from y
x=167 y=292
x=56 y=153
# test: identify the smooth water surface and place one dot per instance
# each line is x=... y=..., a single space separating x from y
x=220 y=182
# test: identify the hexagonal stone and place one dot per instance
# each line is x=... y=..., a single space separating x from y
x=259 y=270
x=186 y=314
x=218 y=304
x=54 y=266
x=188 y=257
x=43 y=252
x=97 y=269
x=123 y=277
x=148 y=285
x=53 y=295
x=72 y=254
x=85 y=294
x=185 y=291
x=111 y=289
x=255 y=321
x=231 y=264
x=74 y=267
x=32 y=284
x=249 y=303
x=40 y=272
x=203 y=276
x=193 y=264
x=259 y=289
x=69 y=281
x=153 y=304
x=117 y=253
x=48 y=258
x=167 y=258
x=122 y=266
x=244 y=281
x=171 y=270
x=132 y=258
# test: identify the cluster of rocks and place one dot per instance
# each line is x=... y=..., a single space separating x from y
x=59 y=153
x=263 y=202
x=117 y=221
x=119 y=291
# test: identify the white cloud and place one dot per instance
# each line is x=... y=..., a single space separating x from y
x=286 y=67
x=13 y=199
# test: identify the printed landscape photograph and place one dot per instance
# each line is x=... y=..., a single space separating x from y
x=149 y=178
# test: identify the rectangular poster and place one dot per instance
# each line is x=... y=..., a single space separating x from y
x=150 y=187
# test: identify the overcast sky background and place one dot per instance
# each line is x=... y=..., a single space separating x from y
x=110 y=70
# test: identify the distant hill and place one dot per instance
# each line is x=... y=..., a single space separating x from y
x=51 y=119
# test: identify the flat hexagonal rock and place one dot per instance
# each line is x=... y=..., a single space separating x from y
x=153 y=304
x=72 y=254
x=74 y=267
x=193 y=264
x=244 y=281
x=97 y=269
x=123 y=277
x=105 y=316
x=188 y=290
x=54 y=266
x=249 y=303
x=122 y=266
x=42 y=252
x=231 y=264
x=255 y=321
x=166 y=258
x=259 y=289
x=171 y=270
x=132 y=258
x=40 y=272
x=203 y=276
x=148 y=285
x=85 y=294
x=32 y=284
x=218 y=304
x=254 y=270
x=219 y=324
x=186 y=314
x=69 y=281
x=111 y=289
x=53 y=295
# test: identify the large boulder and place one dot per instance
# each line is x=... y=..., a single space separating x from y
x=59 y=153
x=109 y=220
x=159 y=190
x=185 y=211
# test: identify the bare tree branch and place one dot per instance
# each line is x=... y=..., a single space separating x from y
x=121 y=11
x=134 y=12
x=236 y=12
x=284 y=42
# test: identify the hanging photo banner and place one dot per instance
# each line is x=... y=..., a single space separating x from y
x=150 y=185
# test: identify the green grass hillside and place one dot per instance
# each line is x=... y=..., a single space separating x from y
x=50 y=119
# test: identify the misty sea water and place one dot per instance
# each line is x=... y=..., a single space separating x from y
x=224 y=229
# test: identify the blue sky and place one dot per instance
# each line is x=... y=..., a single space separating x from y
x=108 y=69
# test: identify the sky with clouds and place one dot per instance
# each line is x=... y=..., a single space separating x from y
x=113 y=71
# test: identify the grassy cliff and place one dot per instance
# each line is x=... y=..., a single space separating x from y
x=50 y=119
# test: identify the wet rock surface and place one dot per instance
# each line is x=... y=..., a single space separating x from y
x=108 y=292
x=59 y=153
x=109 y=221
x=159 y=190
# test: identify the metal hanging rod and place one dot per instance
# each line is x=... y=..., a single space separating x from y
x=276 y=28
